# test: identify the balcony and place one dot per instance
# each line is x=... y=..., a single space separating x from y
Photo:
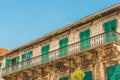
x=66 y=51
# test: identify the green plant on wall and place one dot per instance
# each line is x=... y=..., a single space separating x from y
x=78 y=75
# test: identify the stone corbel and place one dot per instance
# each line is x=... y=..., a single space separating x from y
x=29 y=72
x=89 y=55
x=101 y=53
x=67 y=63
x=114 y=51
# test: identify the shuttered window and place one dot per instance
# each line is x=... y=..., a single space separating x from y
x=113 y=72
x=64 y=78
x=63 y=47
x=84 y=38
x=18 y=59
x=88 y=75
x=23 y=57
x=110 y=26
x=45 y=53
x=28 y=54
x=8 y=62
x=15 y=60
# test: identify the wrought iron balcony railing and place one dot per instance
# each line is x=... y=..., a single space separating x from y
x=66 y=51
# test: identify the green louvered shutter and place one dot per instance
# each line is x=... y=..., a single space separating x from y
x=63 y=45
x=18 y=59
x=106 y=29
x=45 y=53
x=88 y=75
x=64 y=78
x=28 y=54
x=87 y=36
x=8 y=62
x=110 y=26
x=84 y=38
x=113 y=72
x=23 y=57
x=82 y=45
x=113 y=25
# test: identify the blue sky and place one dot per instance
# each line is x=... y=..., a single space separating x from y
x=24 y=20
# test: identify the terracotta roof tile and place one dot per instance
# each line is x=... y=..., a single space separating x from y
x=2 y=50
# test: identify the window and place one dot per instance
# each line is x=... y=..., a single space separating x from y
x=23 y=57
x=63 y=49
x=28 y=54
x=84 y=38
x=45 y=53
x=8 y=62
x=88 y=75
x=15 y=60
x=110 y=26
x=64 y=78
x=113 y=72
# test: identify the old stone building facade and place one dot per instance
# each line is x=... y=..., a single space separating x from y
x=91 y=44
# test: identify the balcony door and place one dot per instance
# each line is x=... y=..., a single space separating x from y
x=63 y=47
x=7 y=64
x=15 y=60
x=28 y=57
x=110 y=26
x=45 y=53
x=84 y=39
x=29 y=54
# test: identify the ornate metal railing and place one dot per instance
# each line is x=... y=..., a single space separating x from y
x=66 y=51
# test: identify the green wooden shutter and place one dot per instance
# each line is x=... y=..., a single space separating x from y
x=87 y=36
x=88 y=75
x=18 y=59
x=113 y=72
x=45 y=53
x=84 y=38
x=28 y=54
x=106 y=29
x=82 y=45
x=8 y=62
x=113 y=24
x=110 y=26
x=64 y=78
x=63 y=45
x=23 y=57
